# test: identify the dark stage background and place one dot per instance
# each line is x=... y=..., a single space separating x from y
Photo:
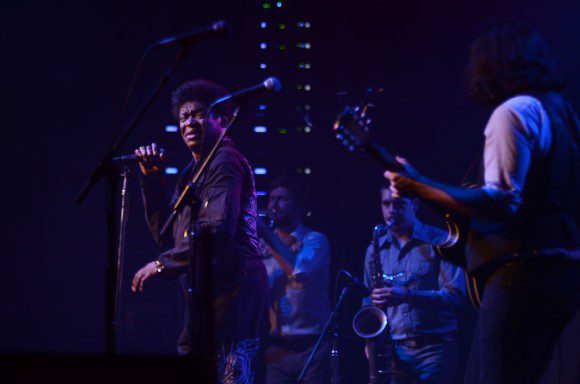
x=66 y=66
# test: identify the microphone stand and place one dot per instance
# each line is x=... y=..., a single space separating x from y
x=330 y=324
x=124 y=217
x=105 y=168
x=199 y=292
x=335 y=377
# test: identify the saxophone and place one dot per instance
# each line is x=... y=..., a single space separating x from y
x=370 y=322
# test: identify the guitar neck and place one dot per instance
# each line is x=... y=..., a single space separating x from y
x=385 y=159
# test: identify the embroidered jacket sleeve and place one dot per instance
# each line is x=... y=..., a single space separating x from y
x=156 y=206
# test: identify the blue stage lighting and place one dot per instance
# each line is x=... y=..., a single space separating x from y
x=171 y=128
x=260 y=129
x=171 y=171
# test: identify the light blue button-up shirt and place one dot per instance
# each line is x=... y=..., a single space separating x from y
x=436 y=287
x=300 y=303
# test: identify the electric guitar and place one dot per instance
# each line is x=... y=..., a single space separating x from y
x=352 y=128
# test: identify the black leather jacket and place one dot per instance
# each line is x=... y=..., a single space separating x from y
x=228 y=213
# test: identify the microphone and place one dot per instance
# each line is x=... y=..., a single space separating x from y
x=355 y=283
x=270 y=84
x=219 y=28
x=130 y=157
x=125 y=158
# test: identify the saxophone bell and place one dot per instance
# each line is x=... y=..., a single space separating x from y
x=369 y=322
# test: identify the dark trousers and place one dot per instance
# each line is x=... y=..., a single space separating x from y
x=240 y=321
x=285 y=359
x=526 y=305
x=425 y=361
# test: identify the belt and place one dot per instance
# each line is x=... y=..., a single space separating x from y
x=423 y=341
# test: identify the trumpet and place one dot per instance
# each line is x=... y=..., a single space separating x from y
x=270 y=217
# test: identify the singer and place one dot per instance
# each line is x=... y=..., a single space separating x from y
x=228 y=213
x=298 y=262
x=421 y=300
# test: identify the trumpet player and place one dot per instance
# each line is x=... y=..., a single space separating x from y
x=420 y=298
x=297 y=260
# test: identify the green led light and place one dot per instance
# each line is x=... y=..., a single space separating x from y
x=266 y=5
x=282 y=47
x=282 y=26
x=283 y=131
x=299 y=86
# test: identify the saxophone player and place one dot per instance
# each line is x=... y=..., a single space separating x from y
x=420 y=299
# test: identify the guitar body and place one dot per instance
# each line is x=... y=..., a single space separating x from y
x=454 y=253
x=452 y=249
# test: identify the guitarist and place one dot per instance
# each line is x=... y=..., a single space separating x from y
x=420 y=303
x=524 y=241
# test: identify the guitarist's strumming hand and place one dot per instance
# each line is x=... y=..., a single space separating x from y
x=405 y=183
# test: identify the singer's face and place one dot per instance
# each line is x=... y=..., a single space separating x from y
x=400 y=210
x=192 y=117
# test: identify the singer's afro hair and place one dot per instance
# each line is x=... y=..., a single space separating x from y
x=204 y=92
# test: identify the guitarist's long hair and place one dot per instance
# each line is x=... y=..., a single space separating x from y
x=508 y=58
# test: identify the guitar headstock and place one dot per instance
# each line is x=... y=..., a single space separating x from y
x=352 y=125
x=351 y=129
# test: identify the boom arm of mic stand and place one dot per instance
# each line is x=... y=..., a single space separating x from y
x=104 y=163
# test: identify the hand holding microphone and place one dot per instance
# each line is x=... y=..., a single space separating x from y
x=151 y=159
